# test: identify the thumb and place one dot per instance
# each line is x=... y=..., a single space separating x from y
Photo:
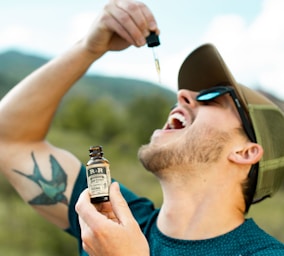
x=119 y=205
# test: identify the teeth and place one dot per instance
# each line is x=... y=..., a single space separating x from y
x=176 y=116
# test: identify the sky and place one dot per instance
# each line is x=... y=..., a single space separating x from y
x=249 y=34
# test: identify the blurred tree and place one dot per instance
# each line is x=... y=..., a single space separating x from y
x=145 y=114
x=75 y=114
x=101 y=119
x=107 y=119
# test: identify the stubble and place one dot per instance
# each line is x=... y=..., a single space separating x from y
x=201 y=146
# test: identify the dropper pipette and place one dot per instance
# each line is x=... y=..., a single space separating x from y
x=152 y=42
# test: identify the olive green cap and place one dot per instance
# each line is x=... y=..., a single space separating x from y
x=204 y=68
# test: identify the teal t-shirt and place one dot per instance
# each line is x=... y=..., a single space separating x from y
x=246 y=240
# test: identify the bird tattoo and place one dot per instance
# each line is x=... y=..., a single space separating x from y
x=52 y=190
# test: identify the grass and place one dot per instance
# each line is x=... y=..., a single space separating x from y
x=269 y=215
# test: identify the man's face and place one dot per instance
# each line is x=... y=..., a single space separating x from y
x=195 y=133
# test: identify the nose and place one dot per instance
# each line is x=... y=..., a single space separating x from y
x=186 y=97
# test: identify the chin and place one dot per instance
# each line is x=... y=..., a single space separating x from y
x=143 y=152
x=145 y=156
x=155 y=157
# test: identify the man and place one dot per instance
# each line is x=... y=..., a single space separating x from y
x=219 y=151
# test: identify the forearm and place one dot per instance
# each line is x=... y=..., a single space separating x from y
x=35 y=99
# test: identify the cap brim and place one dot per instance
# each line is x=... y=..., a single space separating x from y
x=204 y=68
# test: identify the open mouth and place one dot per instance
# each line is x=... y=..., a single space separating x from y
x=176 y=121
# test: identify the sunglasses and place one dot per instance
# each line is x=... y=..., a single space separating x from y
x=215 y=92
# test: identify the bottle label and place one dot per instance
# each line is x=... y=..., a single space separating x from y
x=99 y=180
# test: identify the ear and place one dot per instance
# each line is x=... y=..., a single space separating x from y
x=249 y=153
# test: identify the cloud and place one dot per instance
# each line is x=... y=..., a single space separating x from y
x=254 y=51
x=15 y=35
x=79 y=25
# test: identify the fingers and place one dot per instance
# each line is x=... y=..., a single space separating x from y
x=119 y=205
x=100 y=234
x=140 y=14
x=122 y=23
x=131 y=20
x=83 y=206
x=117 y=209
x=86 y=232
x=113 y=210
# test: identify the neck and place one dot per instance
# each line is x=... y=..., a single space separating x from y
x=196 y=211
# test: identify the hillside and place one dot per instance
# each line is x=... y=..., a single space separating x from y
x=16 y=65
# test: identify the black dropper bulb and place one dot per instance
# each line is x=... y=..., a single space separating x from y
x=153 y=39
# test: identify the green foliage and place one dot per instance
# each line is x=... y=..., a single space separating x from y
x=107 y=120
x=145 y=115
x=269 y=215
x=6 y=83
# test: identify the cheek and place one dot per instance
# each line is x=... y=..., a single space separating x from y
x=205 y=144
x=224 y=121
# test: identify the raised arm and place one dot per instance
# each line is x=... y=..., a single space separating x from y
x=43 y=174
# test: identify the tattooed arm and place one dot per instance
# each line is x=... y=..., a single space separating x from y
x=43 y=174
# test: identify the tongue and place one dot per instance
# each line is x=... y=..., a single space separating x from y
x=177 y=124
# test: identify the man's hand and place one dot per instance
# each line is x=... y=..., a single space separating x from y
x=110 y=228
x=121 y=23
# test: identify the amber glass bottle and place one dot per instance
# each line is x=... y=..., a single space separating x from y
x=98 y=175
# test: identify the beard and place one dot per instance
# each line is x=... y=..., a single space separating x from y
x=200 y=146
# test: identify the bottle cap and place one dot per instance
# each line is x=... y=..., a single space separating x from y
x=153 y=39
x=96 y=151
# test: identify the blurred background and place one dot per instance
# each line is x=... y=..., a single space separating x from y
x=249 y=35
